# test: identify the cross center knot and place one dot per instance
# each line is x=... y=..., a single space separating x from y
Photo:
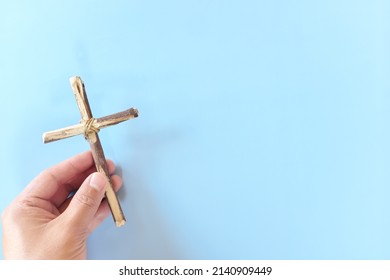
x=89 y=127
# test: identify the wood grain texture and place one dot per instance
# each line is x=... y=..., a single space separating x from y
x=81 y=97
x=98 y=123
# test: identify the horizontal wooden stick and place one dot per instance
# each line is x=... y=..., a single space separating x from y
x=97 y=124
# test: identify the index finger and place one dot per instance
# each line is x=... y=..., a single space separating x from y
x=56 y=182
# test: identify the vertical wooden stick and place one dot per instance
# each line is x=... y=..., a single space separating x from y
x=92 y=137
x=101 y=166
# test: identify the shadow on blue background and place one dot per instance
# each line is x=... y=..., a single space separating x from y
x=263 y=129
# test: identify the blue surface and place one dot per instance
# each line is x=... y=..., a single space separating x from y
x=263 y=129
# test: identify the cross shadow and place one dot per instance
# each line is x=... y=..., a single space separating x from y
x=146 y=234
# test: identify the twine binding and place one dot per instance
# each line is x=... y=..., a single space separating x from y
x=90 y=128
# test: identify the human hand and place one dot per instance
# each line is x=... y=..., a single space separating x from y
x=44 y=222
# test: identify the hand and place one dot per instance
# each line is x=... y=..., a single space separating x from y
x=45 y=222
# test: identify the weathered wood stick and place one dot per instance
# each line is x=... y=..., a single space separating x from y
x=97 y=150
x=98 y=124
x=101 y=166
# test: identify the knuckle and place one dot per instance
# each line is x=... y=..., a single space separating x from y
x=18 y=208
x=86 y=200
x=26 y=203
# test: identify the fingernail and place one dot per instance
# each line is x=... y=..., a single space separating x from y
x=98 y=181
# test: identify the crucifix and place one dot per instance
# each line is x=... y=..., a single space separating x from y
x=89 y=127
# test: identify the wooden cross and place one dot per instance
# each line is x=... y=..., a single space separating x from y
x=89 y=126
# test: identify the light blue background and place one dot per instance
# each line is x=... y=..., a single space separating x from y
x=263 y=129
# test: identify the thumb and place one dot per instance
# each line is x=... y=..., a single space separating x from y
x=86 y=201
